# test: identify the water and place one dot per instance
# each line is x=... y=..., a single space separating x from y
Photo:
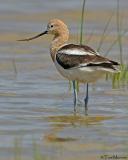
x=35 y=102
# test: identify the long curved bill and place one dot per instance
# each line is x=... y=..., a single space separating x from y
x=39 y=35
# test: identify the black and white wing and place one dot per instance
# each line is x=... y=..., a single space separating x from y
x=71 y=55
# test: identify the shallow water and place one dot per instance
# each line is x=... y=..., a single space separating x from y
x=35 y=101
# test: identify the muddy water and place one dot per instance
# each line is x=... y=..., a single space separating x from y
x=35 y=101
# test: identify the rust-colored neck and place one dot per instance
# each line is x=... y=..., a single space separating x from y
x=58 y=41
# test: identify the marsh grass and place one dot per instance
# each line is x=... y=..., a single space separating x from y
x=82 y=21
x=17 y=149
x=103 y=35
x=81 y=33
x=115 y=42
x=81 y=39
x=119 y=32
x=119 y=79
x=36 y=152
x=14 y=66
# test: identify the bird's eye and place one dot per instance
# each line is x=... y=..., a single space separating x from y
x=51 y=26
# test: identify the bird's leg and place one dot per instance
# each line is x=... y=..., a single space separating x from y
x=86 y=100
x=75 y=95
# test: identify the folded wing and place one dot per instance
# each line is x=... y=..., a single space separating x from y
x=76 y=56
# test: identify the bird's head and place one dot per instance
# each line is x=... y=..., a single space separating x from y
x=55 y=27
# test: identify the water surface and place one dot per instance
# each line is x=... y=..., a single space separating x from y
x=35 y=101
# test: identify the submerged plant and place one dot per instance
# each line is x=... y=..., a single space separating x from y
x=17 y=149
x=36 y=150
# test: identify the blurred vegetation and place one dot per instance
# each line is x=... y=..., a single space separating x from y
x=18 y=151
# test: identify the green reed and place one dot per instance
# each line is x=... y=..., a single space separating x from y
x=103 y=35
x=81 y=39
x=36 y=151
x=82 y=21
x=119 y=32
x=81 y=31
x=14 y=66
x=17 y=149
x=115 y=42
x=119 y=79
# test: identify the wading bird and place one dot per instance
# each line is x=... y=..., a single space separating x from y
x=75 y=62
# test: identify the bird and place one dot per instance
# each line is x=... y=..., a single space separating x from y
x=75 y=62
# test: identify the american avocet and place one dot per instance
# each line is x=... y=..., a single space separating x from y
x=75 y=62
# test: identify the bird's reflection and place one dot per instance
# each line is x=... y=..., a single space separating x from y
x=58 y=123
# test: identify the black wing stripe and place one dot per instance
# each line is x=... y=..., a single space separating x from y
x=103 y=65
x=68 y=61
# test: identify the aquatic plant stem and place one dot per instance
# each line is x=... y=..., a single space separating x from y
x=119 y=32
x=103 y=36
x=82 y=21
x=114 y=42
